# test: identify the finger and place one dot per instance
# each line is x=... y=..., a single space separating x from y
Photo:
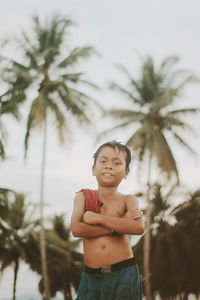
x=134 y=211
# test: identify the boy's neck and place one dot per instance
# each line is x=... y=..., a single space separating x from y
x=103 y=190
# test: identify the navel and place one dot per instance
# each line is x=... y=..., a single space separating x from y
x=103 y=246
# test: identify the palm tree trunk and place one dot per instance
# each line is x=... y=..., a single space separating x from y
x=67 y=293
x=147 y=236
x=15 y=277
x=67 y=296
x=42 y=231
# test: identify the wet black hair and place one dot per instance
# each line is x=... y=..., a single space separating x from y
x=114 y=145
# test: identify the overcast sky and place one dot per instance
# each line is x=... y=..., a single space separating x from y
x=118 y=30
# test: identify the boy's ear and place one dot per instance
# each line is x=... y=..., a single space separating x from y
x=125 y=176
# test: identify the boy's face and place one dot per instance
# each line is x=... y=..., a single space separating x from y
x=110 y=167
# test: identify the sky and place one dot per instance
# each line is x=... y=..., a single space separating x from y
x=121 y=32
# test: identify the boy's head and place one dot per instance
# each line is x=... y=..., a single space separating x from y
x=115 y=146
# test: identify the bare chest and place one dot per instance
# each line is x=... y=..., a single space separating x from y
x=115 y=208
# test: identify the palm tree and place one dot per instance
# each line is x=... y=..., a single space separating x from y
x=8 y=107
x=15 y=225
x=174 y=247
x=48 y=72
x=64 y=262
x=187 y=215
x=71 y=275
x=151 y=97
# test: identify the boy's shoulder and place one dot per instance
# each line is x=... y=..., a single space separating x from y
x=91 y=200
x=130 y=199
x=128 y=196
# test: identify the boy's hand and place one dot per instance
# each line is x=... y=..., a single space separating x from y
x=133 y=214
x=90 y=218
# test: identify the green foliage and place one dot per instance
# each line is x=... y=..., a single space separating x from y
x=15 y=226
x=47 y=70
x=19 y=240
x=64 y=263
x=8 y=108
x=175 y=247
x=151 y=96
x=188 y=213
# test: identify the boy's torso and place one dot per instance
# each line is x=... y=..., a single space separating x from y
x=108 y=250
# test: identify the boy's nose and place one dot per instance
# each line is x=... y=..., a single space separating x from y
x=109 y=167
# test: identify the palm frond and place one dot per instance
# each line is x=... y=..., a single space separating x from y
x=10 y=106
x=85 y=104
x=73 y=77
x=60 y=118
x=124 y=70
x=10 y=103
x=76 y=54
x=184 y=111
x=48 y=40
x=2 y=150
x=89 y=83
x=164 y=99
x=56 y=30
x=188 y=80
x=88 y=103
x=117 y=87
x=164 y=154
x=36 y=116
x=138 y=140
x=7 y=259
x=168 y=63
x=76 y=78
x=30 y=50
x=113 y=129
x=3 y=135
x=134 y=116
x=60 y=228
x=182 y=142
x=77 y=110
x=14 y=63
x=171 y=122
x=29 y=126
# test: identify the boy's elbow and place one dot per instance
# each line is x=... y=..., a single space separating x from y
x=141 y=228
x=75 y=231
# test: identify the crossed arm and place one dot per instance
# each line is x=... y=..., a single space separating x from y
x=90 y=225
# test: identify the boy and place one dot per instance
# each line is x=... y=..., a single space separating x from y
x=104 y=218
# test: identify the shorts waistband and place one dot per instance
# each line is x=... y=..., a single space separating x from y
x=111 y=268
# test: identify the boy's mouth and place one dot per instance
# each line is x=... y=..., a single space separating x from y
x=107 y=174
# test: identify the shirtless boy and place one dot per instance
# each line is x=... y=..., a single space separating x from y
x=110 y=269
